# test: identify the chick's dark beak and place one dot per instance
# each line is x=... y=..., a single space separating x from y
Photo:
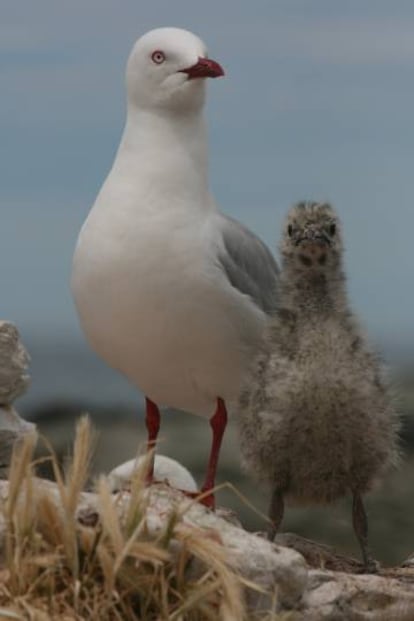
x=204 y=68
x=313 y=248
x=313 y=237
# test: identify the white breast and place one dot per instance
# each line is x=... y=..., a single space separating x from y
x=154 y=304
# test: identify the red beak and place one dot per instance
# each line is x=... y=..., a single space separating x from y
x=204 y=68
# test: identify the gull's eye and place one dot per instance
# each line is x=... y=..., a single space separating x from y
x=158 y=57
x=290 y=230
x=332 y=229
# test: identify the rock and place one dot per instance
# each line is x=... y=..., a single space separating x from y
x=12 y=430
x=13 y=382
x=165 y=470
x=281 y=573
x=287 y=583
x=409 y=561
x=336 y=596
x=318 y=555
x=337 y=591
x=14 y=361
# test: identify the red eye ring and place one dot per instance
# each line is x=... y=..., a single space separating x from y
x=158 y=57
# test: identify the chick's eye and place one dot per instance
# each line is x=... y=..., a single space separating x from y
x=332 y=229
x=158 y=57
x=290 y=230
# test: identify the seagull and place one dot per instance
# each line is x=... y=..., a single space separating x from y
x=169 y=291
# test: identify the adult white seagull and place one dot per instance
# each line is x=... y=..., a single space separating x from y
x=169 y=291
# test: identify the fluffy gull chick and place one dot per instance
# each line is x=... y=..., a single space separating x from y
x=317 y=420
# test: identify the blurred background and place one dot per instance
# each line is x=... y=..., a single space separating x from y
x=317 y=103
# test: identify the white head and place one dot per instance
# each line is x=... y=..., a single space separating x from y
x=166 y=71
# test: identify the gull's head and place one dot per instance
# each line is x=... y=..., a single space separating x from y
x=311 y=239
x=166 y=71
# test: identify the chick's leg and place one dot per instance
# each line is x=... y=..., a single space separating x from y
x=360 y=523
x=152 y=421
x=276 y=511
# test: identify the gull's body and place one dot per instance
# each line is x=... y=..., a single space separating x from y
x=169 y=291
x=155 y=303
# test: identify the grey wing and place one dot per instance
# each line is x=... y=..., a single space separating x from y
x=248 y=264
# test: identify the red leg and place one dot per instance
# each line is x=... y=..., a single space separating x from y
x=152 y=421
x=218 y=424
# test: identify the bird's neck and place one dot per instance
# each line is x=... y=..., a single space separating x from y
x=313 y=295
x=169 y=151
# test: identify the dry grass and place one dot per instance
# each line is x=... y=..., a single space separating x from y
x=57 y=566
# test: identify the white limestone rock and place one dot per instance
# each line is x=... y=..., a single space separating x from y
x=281 y=572
x=289 y=585
x=338 y=596
x=165 y=470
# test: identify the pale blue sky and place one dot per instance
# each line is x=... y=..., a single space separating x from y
x=317 y=103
